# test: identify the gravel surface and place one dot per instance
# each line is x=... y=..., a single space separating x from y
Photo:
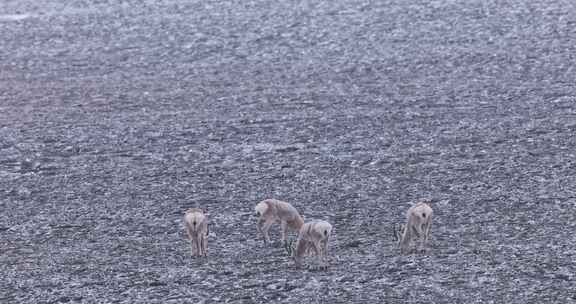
x=117 y=116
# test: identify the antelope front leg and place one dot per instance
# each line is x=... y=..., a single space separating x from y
x=265 y=227
x=410 y=232
x=313 y=248
x=420 y=233
x=259 y=226
x=299 y=251
x=426 y=236
x=405 y=240
x=284 y=229
x=325 y=252
x=320 y=254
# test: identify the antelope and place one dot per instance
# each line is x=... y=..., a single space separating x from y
x=196 y=222
x=418 y=224
x=313 y=236
x=271 y=210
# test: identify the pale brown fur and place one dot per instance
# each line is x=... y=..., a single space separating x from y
x=196 y=222
x=270 y=211
x=418 y=224
x=313 y=235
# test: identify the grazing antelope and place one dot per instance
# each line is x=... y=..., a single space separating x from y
x=271 y=210
x=196 y=222
x=313 y=236
x=418 y=224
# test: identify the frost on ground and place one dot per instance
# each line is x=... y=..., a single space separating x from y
x=117 y=116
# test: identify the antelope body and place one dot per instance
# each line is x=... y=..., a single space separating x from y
x=418 y=224
x=270 y=211
x=315 y=236
x=196 y=223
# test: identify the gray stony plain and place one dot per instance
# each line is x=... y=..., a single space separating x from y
x=117 y=116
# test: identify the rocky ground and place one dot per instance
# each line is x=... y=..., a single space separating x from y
x=117 y=116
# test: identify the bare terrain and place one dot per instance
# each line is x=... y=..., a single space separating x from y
x=117 y=116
